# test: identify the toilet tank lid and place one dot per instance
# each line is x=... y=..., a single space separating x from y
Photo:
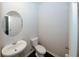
x=36 y=38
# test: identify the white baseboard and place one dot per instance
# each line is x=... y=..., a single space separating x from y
x=29 y=53
x=55 y=55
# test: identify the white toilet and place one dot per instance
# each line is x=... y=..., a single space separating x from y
x=40 y=50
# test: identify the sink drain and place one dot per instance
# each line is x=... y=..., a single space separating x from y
x=15 y=49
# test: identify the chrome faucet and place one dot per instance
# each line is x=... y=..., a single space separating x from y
x=14 y=43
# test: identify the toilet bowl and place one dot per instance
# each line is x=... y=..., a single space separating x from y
x=40 y=50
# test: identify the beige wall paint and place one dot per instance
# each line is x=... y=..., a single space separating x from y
x=53 y=27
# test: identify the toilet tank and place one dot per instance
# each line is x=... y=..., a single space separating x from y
x=34 y=41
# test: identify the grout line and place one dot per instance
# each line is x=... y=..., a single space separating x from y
x=53 y=54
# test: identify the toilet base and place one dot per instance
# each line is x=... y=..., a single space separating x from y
x=39 y=55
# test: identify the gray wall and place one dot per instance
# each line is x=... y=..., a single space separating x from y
x=0 y=32
x=28 y=11
x=78 y=29
x=53 y=27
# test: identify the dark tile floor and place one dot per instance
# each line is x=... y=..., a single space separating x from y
x=46 y=55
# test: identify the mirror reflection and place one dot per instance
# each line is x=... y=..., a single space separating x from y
x=12 y=23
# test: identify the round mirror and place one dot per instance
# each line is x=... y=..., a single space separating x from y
x=12 y=23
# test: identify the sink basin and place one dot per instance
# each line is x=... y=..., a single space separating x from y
x=14 y=48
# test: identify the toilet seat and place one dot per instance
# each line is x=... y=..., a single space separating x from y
x=40 y=49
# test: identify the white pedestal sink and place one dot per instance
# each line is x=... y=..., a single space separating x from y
x=14 y=48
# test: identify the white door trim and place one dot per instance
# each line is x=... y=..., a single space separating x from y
x=73 y=30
